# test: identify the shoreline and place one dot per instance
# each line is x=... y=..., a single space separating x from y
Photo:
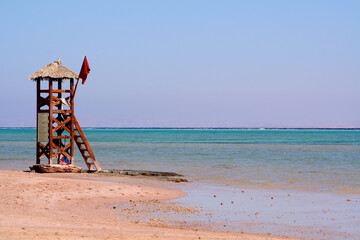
x=66 y=206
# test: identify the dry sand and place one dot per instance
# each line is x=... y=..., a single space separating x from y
x=77 y=206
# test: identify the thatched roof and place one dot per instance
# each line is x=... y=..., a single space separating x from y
x=54 y=71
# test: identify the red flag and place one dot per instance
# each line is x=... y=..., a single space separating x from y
x=85 y=70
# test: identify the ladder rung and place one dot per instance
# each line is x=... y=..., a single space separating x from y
x=89 y=163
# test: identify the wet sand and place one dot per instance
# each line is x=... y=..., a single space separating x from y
x=80 y=206
x=289 y=212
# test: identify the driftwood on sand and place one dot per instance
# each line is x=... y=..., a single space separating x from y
x=163 y=176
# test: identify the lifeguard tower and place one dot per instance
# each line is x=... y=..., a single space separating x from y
x=57 y=129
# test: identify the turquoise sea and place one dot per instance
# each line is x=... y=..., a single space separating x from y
x=305 y=159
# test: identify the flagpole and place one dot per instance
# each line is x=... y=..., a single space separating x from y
x=76 y=87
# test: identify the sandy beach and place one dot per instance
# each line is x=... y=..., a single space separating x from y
x=78 y=206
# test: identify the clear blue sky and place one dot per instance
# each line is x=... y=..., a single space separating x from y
x=188 y=63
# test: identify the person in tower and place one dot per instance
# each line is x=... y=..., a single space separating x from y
x=63 y=160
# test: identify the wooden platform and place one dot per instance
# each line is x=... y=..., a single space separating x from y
x=55 y=168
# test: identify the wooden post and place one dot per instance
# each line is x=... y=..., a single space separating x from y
x=72 y=92
x=37 y=121
x=59 y=107
x=51 y=103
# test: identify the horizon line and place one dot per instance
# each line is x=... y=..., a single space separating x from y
x=243 y=128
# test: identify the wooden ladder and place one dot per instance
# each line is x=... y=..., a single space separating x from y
x=84 y=147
